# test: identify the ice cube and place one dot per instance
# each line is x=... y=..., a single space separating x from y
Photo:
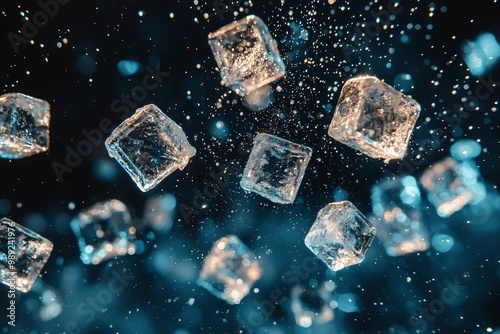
x=104 y=231
x=246 y=54
x=482 y=54
x=397 y=205
x=23 y=253
x=229 y=270
x=24 y=126
x=374 y=118
x=311 y=305
x=149 y=146
x=275 y=168
x=340 y=235
x=451 y=185
x=159 y=212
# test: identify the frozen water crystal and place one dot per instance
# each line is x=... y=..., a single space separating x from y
x=104 y=231
x=159 y=212
x=374 y=118
x=149 y=146
x=246 y=54
x=24 y=126
x=397 y=204
x=311 y=305
x=451 y=185
x=275 y=168
x=340 y=235
x=23 y=253
x=229 y=270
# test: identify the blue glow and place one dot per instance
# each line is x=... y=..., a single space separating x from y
x=465 y=149
x=442 y=242
x=219 y=130
x=482 y=54
x=347 y=303
x=128 y=67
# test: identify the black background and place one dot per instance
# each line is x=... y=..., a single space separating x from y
x=156 y=301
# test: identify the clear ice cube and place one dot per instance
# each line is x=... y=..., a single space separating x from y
x=397 y=205
x=229 y=270
x=275 y=168
x=159 y=212
x=23 y=253
x=340 y=236
x=311 y=305
x=374 y=118
x=24 y=126
x=104 y=231
x=149 y=146
x=246 y=54
x=451 y=185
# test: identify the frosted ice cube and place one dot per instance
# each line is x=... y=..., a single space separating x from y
x=340 y=235
x=159 y=212
x=451 y=185
x=24 y=126
x=397 y=205
x=275 y=168
x=374 y=118
x=149 y=146
x=104 y=231
x=23 y=253
x=311 y=305
x=229 y=270
x=246 y=54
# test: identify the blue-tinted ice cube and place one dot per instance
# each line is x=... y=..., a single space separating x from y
x=451 y=185
x=104 y=231
x=482 y=54
x=23 y=253
x=340 y=236
x=275 y=168
x=24 y=126
x=246 y=54
x=397 y=205
x=149 y=146
x=229 y=270
x=374 y=118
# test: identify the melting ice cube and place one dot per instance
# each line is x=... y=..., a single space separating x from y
x=24 y=126
x=149 y=146
x=397 y=205
x=246 y=54
x=451 y=185
x=104 y=231
x=340 y=235
x=229 y=270
x=374 y=118
x=275 y=168
x=23 y=253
